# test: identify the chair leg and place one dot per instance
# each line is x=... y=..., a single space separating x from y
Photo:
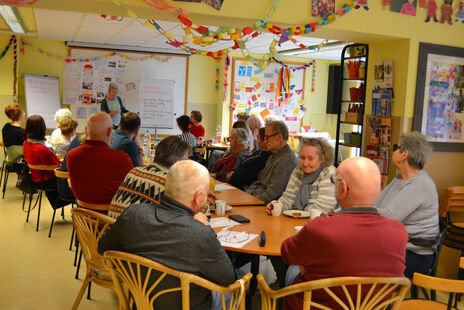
x=76 y=253
x=1 y=174
x=4 y=183
x=51 y=225
x=88 y=290
x=38 y=213
x=78 y=265
x=24 y=200
x=72 y=239
x=62 y=212
x=414 y=292
x=29 y=209
x=81 y=292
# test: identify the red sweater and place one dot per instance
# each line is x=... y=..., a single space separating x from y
x=39 y=154
x=354 y=242
x=198 y=131
x=96 y=171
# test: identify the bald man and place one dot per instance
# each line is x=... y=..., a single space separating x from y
x=357 y=241
x=96 y=170
x=176 y=234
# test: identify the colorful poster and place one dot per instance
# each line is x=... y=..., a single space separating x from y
x=443 y=100
x=322 y=8
x=407 y=7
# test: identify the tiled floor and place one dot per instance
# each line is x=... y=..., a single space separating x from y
x=37 y=272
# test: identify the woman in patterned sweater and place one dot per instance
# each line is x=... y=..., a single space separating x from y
x=309 y=186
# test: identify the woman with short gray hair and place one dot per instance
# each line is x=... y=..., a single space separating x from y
x=112 y=105
x=412 y=199
x=237 y=153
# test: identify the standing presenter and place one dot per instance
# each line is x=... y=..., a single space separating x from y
x=112 y=105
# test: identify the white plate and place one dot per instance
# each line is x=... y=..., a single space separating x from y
x=296 y=213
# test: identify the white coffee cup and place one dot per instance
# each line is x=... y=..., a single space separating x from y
x=220 y=207
x=315 y=213
x=297 y=229
x=276 y=208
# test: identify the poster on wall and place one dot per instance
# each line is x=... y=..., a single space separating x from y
x=322 y=8
x=255 y=91
x=86 y=83
x=439 y=110
x=407 y=7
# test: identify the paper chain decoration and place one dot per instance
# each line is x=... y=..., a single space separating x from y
x=70 y=59
x=226 y=79
x=18 y=2
x=5 y=50
x=295 y=68
x=231 y=33
x=313 y=79
x=13 y=41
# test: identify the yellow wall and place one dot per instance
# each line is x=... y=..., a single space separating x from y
x=6 y=79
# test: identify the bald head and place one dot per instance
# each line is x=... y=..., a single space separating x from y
x=99 y=127
x=358 y=183
x=188 y=182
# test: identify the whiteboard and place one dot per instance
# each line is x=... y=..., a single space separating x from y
x=129 y=85
x=156 y=103
x=42 y=96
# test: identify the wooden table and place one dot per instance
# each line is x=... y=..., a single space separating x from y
x=237 y=197
x=277 y=229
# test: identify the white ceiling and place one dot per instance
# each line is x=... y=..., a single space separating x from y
x=92 y=28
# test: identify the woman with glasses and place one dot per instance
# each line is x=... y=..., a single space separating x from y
x=412 y=199
x=310 y=185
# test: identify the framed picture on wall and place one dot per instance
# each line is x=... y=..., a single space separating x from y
x=439 y=104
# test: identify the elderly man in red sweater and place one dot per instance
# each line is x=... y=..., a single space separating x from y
x=356 y=241
x=96 y=170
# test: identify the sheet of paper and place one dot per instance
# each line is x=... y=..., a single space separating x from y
x=222 y=186
x=235 y=239
x=222 y=222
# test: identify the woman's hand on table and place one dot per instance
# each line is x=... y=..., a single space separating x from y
x=201 y=217
x=269 y=207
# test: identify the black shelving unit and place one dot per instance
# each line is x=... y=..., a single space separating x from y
x=345 y=126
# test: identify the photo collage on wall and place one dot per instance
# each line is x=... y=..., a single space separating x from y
x=86 y=83
x=443 y=99
x=255 y=92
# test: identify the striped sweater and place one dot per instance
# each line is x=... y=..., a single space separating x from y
x=322 y=194
x=141 y=185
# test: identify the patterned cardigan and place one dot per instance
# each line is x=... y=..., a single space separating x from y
x=322 y=193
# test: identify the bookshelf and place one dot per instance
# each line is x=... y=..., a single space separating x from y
x=350 y=114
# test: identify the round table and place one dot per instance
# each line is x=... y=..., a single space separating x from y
x=277 y=229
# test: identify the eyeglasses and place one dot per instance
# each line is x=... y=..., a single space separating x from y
x=396 y=147
x=270 y=136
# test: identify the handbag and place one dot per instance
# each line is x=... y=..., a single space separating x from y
x=25 y=183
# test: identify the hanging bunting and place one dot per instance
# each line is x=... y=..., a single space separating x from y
x=71 y=59
x=10 y=42
x=15 y=69
x=18 y=2
x=226 y=78
x=295 y=68
x=313 y=78
x=218 y=64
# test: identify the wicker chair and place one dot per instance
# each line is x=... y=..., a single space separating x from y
x=128 y=269
x=381 y=293
x=90 y=227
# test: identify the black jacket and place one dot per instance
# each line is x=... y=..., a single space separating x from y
x=248 y=170
x=168 y=234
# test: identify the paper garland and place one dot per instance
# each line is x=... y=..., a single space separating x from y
x=10 y=42
x=70 y=59
x=313 y=78
x=226 y=77
x=294 y=68
x=18 y=2
x=218 y=64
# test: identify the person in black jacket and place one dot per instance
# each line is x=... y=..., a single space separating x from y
x=248 y=170
x=13 y=132
x=112 y=105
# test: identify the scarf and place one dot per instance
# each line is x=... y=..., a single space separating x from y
x=304 y=194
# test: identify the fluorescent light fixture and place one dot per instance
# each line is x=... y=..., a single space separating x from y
x=12 y=18
x=327 y=47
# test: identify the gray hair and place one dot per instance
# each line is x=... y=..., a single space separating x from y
x=242 y=135
x=60 y=115
x=270 y=118
x=185 y=178
x=323 y=147
x=112 y=86
x=418 y=148
x=280 y=127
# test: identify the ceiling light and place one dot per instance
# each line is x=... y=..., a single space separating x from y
x=12 y=18
x=314 y=49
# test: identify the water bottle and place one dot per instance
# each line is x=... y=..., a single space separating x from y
x=218 y=133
